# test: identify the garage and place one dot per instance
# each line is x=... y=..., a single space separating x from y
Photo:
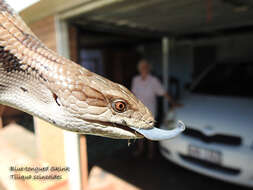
x=188 y=44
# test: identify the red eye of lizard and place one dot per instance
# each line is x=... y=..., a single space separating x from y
x=119 y=106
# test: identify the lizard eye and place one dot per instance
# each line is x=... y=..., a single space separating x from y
x=119 y=106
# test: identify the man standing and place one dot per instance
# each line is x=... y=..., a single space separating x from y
x=146 y=87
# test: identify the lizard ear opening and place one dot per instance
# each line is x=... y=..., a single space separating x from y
x=56 y=99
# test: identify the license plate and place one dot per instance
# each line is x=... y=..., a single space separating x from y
x=212 y=156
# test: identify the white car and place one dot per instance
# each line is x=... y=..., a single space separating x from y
x=218 y=114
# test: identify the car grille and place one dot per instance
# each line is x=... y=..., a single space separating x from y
x=217 y=138
x=211 y=166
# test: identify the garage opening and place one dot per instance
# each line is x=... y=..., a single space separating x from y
x=115 y=56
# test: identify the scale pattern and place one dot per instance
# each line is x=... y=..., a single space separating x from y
x=37 y=80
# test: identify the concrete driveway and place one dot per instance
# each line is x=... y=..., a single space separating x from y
x=157 y=174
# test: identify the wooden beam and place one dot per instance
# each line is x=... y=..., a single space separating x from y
x=45 y=8
x=84 y=162
x=86 y=8
x=124 y=7
x=2 y=107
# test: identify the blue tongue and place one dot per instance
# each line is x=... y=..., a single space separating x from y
x=157 y=134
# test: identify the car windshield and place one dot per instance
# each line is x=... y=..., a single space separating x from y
x=227 y=79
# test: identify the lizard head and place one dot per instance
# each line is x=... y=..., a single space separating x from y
x=102 y=107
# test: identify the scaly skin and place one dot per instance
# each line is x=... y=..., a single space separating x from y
x=38 y=81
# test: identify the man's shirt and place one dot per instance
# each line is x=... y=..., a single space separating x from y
x=147 y=90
